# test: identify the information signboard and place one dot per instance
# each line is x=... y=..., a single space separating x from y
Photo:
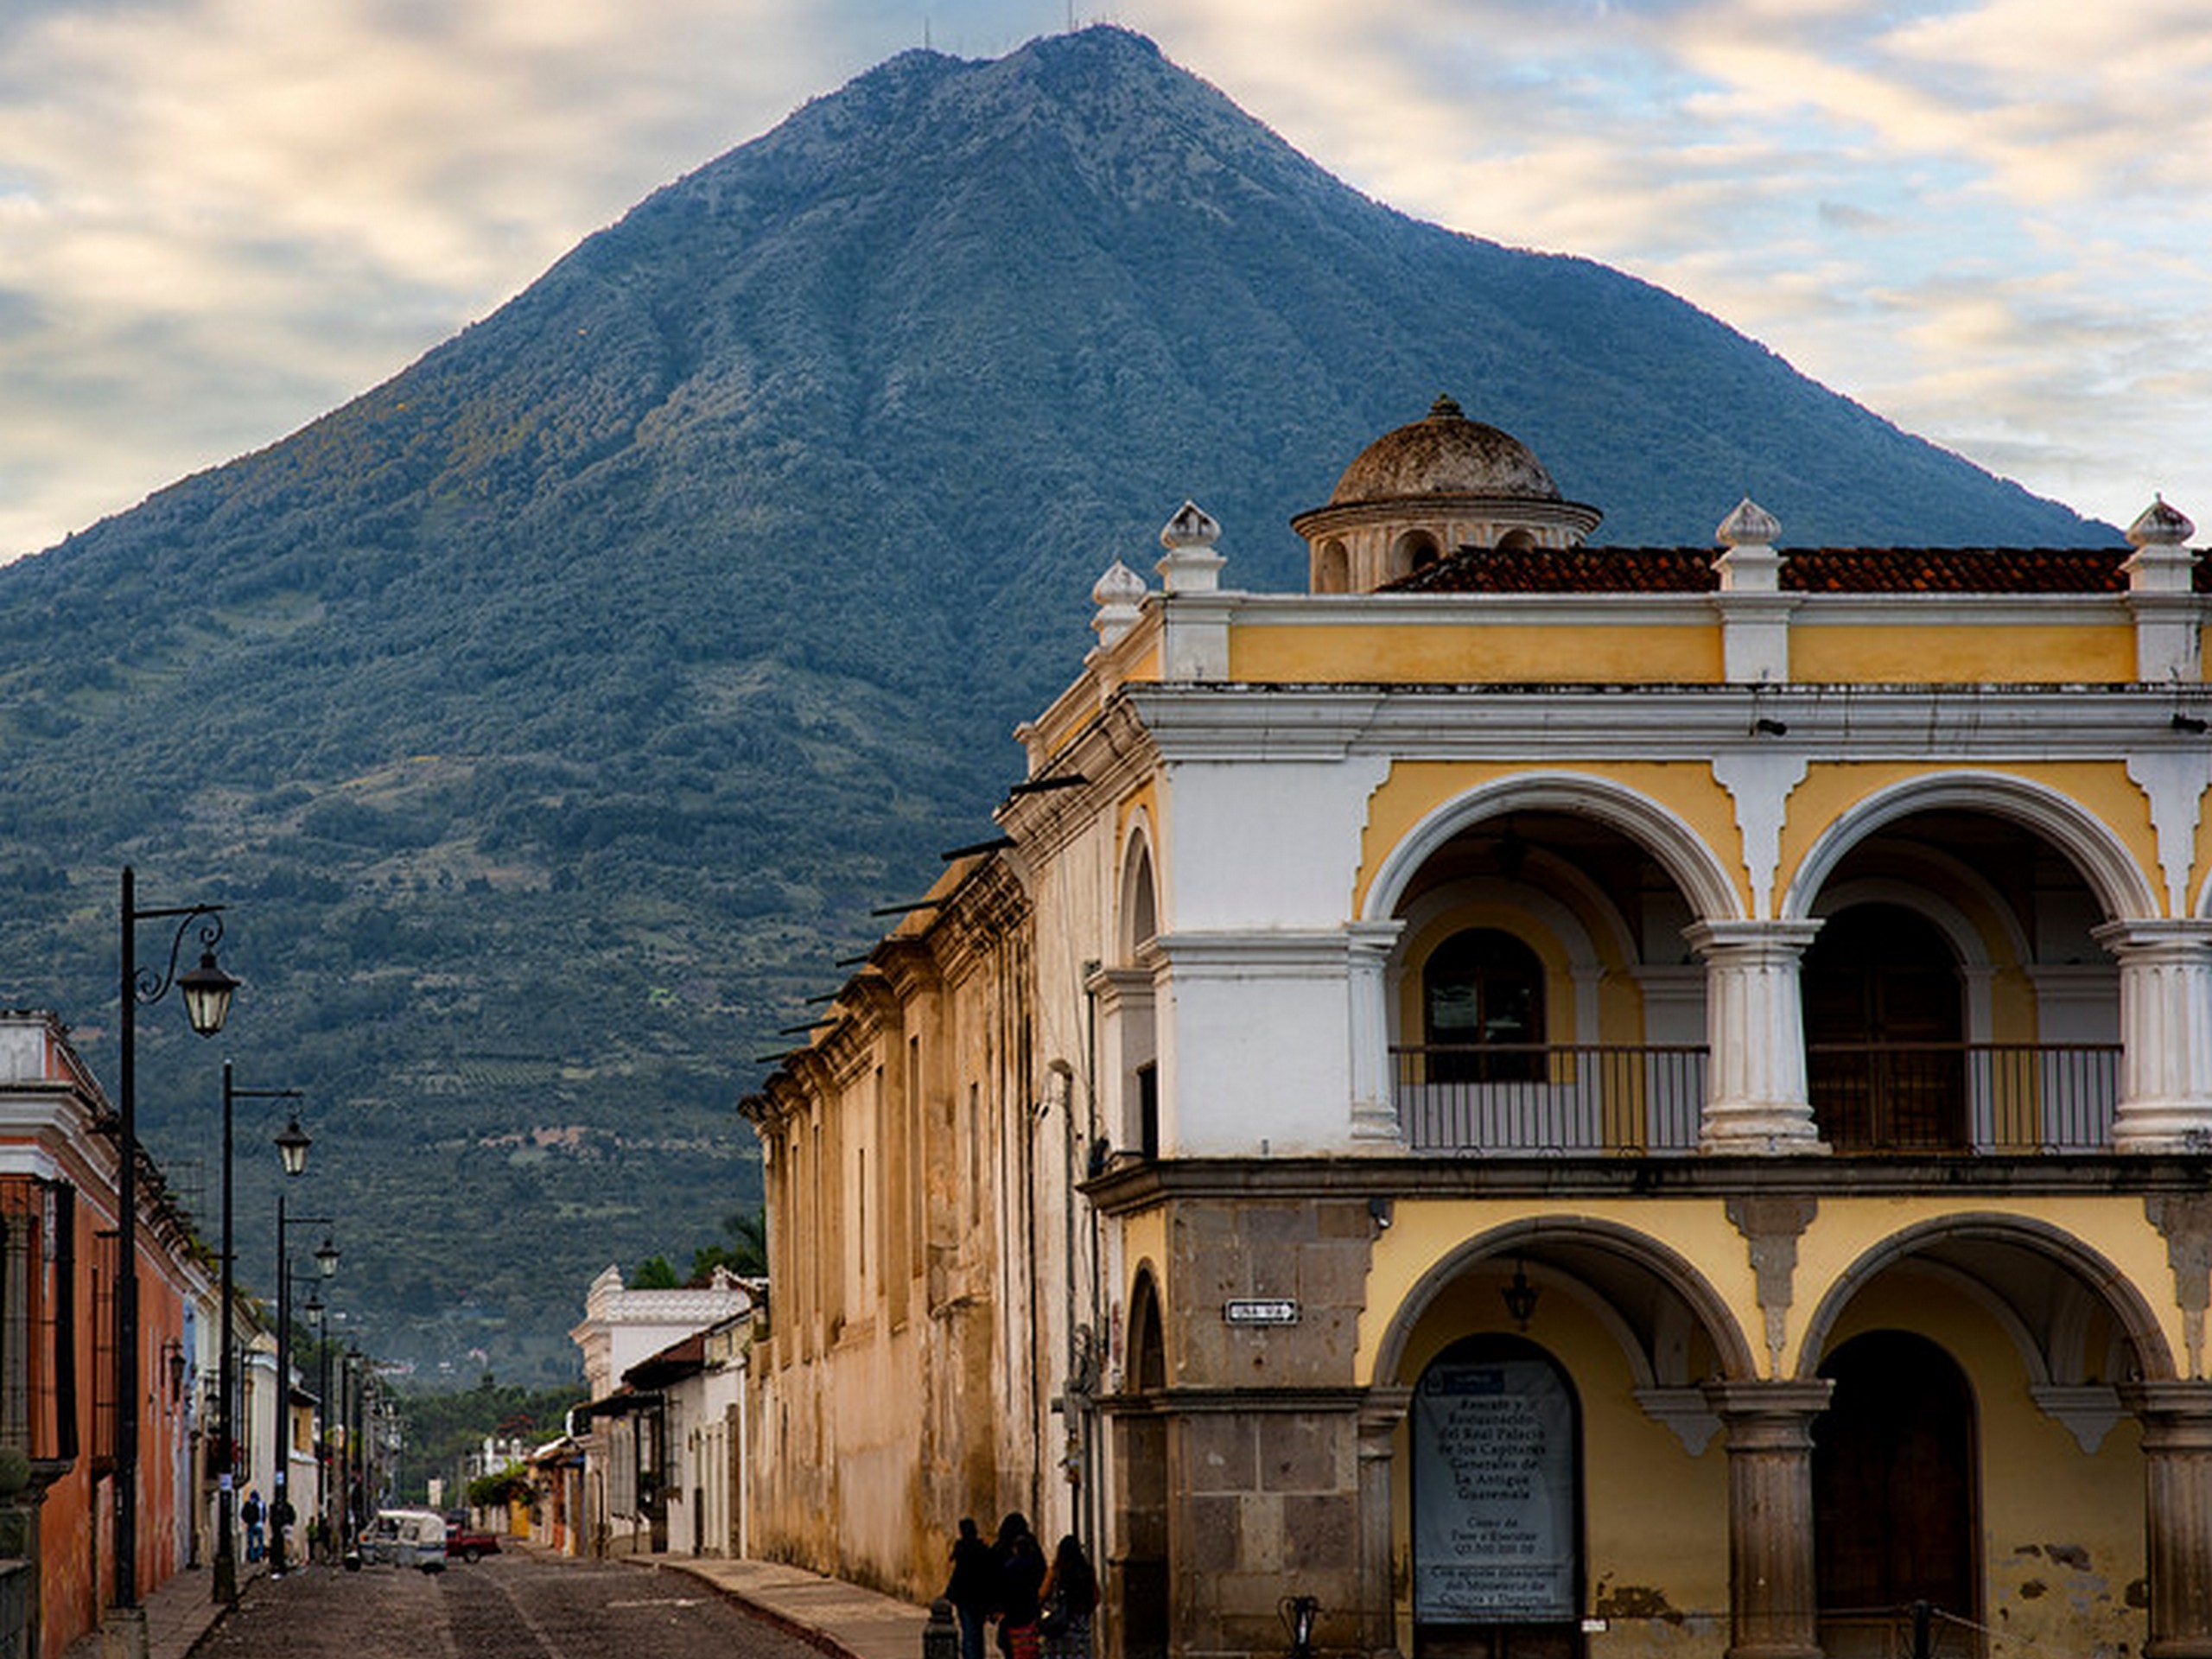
x=1494 y=1500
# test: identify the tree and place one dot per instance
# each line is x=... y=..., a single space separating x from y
x=655 y=1274
x=746 y=1254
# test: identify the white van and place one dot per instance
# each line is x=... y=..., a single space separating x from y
x=406 y=1538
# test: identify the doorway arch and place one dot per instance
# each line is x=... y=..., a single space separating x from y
x=1141 y=1573
x=1896 y=1477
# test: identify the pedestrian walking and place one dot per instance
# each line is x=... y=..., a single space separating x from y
x=971 y=1587
x=1070 y=1597
x=281 y=1516
x=257 y=1538
x=1020 y=1576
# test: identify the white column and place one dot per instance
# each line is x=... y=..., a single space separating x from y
x=1755 y=1099
x=1374 y=1090
x=2165 y=1027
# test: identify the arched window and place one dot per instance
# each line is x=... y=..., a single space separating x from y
x=1148 y=1359
x=1140 y=901
x=1483 y=1009
x=1332 y=568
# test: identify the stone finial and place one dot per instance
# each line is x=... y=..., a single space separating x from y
x=1191 y=526
x=1748 y=563
x=1749 y=525
x=1191 y=566
x=2160 y=524
x=1119 y=594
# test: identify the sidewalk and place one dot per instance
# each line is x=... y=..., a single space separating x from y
x=838 y=1617
x=178 y=1614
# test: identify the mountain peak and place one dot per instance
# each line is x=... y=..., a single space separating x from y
x=693 y=591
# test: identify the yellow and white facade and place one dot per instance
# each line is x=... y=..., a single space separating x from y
x=1554 y=1100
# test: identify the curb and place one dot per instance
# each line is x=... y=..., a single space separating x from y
x=812 y=1635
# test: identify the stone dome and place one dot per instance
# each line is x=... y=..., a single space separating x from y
x=1444 y=453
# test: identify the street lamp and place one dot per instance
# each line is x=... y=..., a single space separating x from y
x=226 y=1561
x=292 y=1145
x=206 y=992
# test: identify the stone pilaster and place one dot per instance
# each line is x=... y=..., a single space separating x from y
x=2165 y=1015
x=1374 y=1088
x=2176 y=1419
x=1379 y=1417
x=1756 y=1098
x=1772 y=1595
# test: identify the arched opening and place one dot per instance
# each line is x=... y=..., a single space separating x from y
x=1885 y=1034
x=1140 y=901
x=1416 y=550
x=1541 y=997
x=1894 y=1481
x=1131 y=1031
x=1497 y=1493
x=2000 y=995
x=1147 y=1361
x=1332 y=568
x=1483 y=1009
x=1140 y=1575
x=1517 y=541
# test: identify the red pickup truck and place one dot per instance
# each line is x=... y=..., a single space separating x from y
x=464 y=1542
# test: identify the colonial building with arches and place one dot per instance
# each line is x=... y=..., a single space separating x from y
x=1555 y=1100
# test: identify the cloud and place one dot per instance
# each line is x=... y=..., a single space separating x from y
x=1983 y=218
x=228 y=215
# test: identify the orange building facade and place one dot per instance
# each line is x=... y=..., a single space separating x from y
x=59 y=1158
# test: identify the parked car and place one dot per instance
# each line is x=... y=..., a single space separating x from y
x=467 y=1540
x=406 y=1538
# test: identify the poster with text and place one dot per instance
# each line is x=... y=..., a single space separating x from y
x=1494 y=1520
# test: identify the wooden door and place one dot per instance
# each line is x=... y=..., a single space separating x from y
x=1894 y=1484
x=1885 y=1034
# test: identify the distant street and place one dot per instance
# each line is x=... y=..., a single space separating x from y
x=515 y=1606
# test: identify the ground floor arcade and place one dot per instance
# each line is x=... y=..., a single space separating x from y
x=1729 y=1413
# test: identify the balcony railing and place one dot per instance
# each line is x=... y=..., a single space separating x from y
x=1555 y=1097
x=1937 y=1097
x=1646 y=1099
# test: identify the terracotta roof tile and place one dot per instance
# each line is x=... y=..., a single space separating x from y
x=1565 y=570
x=1956 y=570
x=1810 y=570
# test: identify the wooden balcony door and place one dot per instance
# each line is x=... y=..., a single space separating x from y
x=1885 y=1034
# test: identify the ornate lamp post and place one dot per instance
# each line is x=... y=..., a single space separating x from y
x=226 y=1561
x=293 y=1145
x=206 y=992
x=315 y=1310
x=357 y=1472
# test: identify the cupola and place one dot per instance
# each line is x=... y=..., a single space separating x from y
x=1420 y=493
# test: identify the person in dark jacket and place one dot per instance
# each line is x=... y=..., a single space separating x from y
x=1021 y=1563
x=972 y=1589
x=1070 y=1598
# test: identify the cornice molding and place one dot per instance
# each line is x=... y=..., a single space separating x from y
x=1135 y=1185
x=1559 y=722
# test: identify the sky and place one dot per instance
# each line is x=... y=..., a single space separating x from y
x=1987 y=221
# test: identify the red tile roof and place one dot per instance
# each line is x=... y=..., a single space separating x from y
x=1810 y=570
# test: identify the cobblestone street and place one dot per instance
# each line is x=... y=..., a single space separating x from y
x=515 y=1606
